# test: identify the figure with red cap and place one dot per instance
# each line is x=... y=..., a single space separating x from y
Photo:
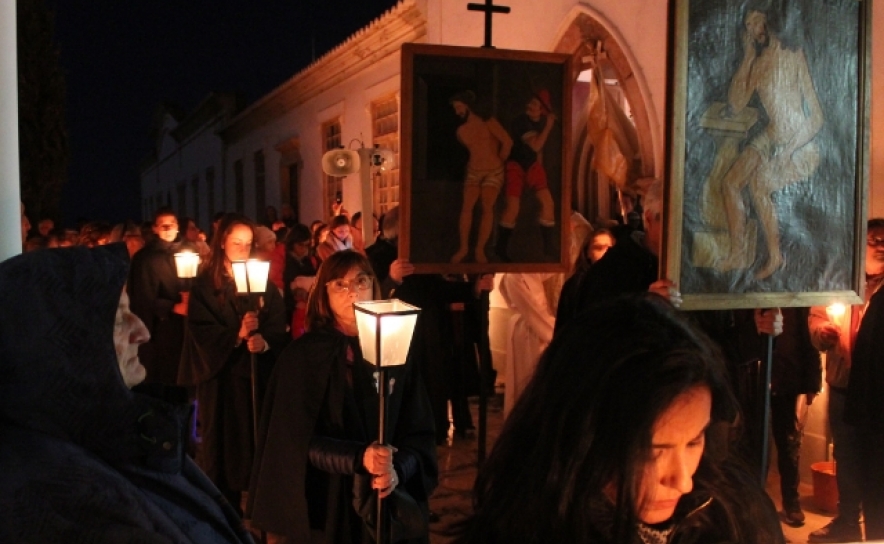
x=525 y=167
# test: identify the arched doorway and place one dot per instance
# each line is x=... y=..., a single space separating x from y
x=594 y=48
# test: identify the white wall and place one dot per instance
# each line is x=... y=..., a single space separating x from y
x=351 y=101
x=10 y=228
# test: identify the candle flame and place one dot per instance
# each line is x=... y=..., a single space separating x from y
x=836 y=309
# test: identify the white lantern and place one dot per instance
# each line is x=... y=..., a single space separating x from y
x=385 y=330
x=250 y=276
x=186 y=264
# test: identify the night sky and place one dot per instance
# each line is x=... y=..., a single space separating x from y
x=122 y=59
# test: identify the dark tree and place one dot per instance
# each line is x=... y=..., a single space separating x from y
x=44 y=151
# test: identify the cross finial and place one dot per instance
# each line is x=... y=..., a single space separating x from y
x=489 y=8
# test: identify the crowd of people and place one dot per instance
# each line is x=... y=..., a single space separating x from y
x=627 y=420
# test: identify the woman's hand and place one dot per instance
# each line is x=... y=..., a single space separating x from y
x=256 y=343
x=249 y=323
x=378 y=461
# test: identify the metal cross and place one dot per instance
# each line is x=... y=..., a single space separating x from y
x=489 y=8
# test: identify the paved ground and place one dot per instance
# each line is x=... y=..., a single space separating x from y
x=457 y=465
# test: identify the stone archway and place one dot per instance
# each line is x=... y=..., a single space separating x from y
x=589 y=42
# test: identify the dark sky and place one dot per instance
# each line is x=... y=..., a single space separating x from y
x=122 y=59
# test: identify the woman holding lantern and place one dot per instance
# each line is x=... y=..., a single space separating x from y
x=318 y=465
x=222 y=332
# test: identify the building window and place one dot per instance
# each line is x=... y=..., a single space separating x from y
x=385 y=133
x=294 y=189
x=210 y=193
x=240 y=189
x=195 y=188
x=331 y=139
x=260 y=186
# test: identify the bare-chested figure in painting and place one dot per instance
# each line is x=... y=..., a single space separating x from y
x=489 y=145
x=783 y=153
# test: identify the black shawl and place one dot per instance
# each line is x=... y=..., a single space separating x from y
x=83 y=458
x=288 y=496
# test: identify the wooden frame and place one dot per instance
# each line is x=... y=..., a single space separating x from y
x=767 y=199
x=497 y=86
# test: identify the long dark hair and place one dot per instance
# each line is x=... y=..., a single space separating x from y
x=585 y=423
x=338 y=264
x=215 y=268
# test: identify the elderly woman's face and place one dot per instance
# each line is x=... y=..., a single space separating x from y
x=677 y=446
x=356 y=286
x=129 y=333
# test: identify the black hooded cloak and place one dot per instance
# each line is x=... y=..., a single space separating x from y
x=83 y=458
x=221 y=372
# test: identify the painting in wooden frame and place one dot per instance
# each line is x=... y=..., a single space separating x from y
x=768 y=164
x=485 y=158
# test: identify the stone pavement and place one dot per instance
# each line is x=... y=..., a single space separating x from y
x=458 y=466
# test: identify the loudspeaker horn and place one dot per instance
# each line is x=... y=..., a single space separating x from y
x=384 y=159
x=340 y=162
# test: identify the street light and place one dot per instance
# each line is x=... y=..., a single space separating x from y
x=251 y=279
x=385 y=331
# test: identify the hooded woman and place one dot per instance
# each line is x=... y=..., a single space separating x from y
x=84 y=457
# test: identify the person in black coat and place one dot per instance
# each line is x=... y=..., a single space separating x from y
x=86 y=455
x=299 y=263
x=157 y=298
x=318 y=463
x=442 y=360
x=865 y=390
x=222 y=333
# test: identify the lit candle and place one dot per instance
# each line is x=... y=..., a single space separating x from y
x=836 y=311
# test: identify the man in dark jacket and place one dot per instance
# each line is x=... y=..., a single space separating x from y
x=865 y=390
x=796 y=378
x=157 y=298
x=84 y=458
x=435 y=346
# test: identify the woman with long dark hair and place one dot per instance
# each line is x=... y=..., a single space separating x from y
x=611 y=441
x=318 y=464
x=223 y=329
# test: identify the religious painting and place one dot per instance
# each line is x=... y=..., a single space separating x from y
x=484 y=159
x=768 y=171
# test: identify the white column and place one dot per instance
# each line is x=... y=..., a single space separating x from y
x=10 y=193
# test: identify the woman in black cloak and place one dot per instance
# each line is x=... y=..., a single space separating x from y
x=219 y=341
x=317 y=466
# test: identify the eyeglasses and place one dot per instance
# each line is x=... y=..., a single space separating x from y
x=362 y=283
x=874 y=241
